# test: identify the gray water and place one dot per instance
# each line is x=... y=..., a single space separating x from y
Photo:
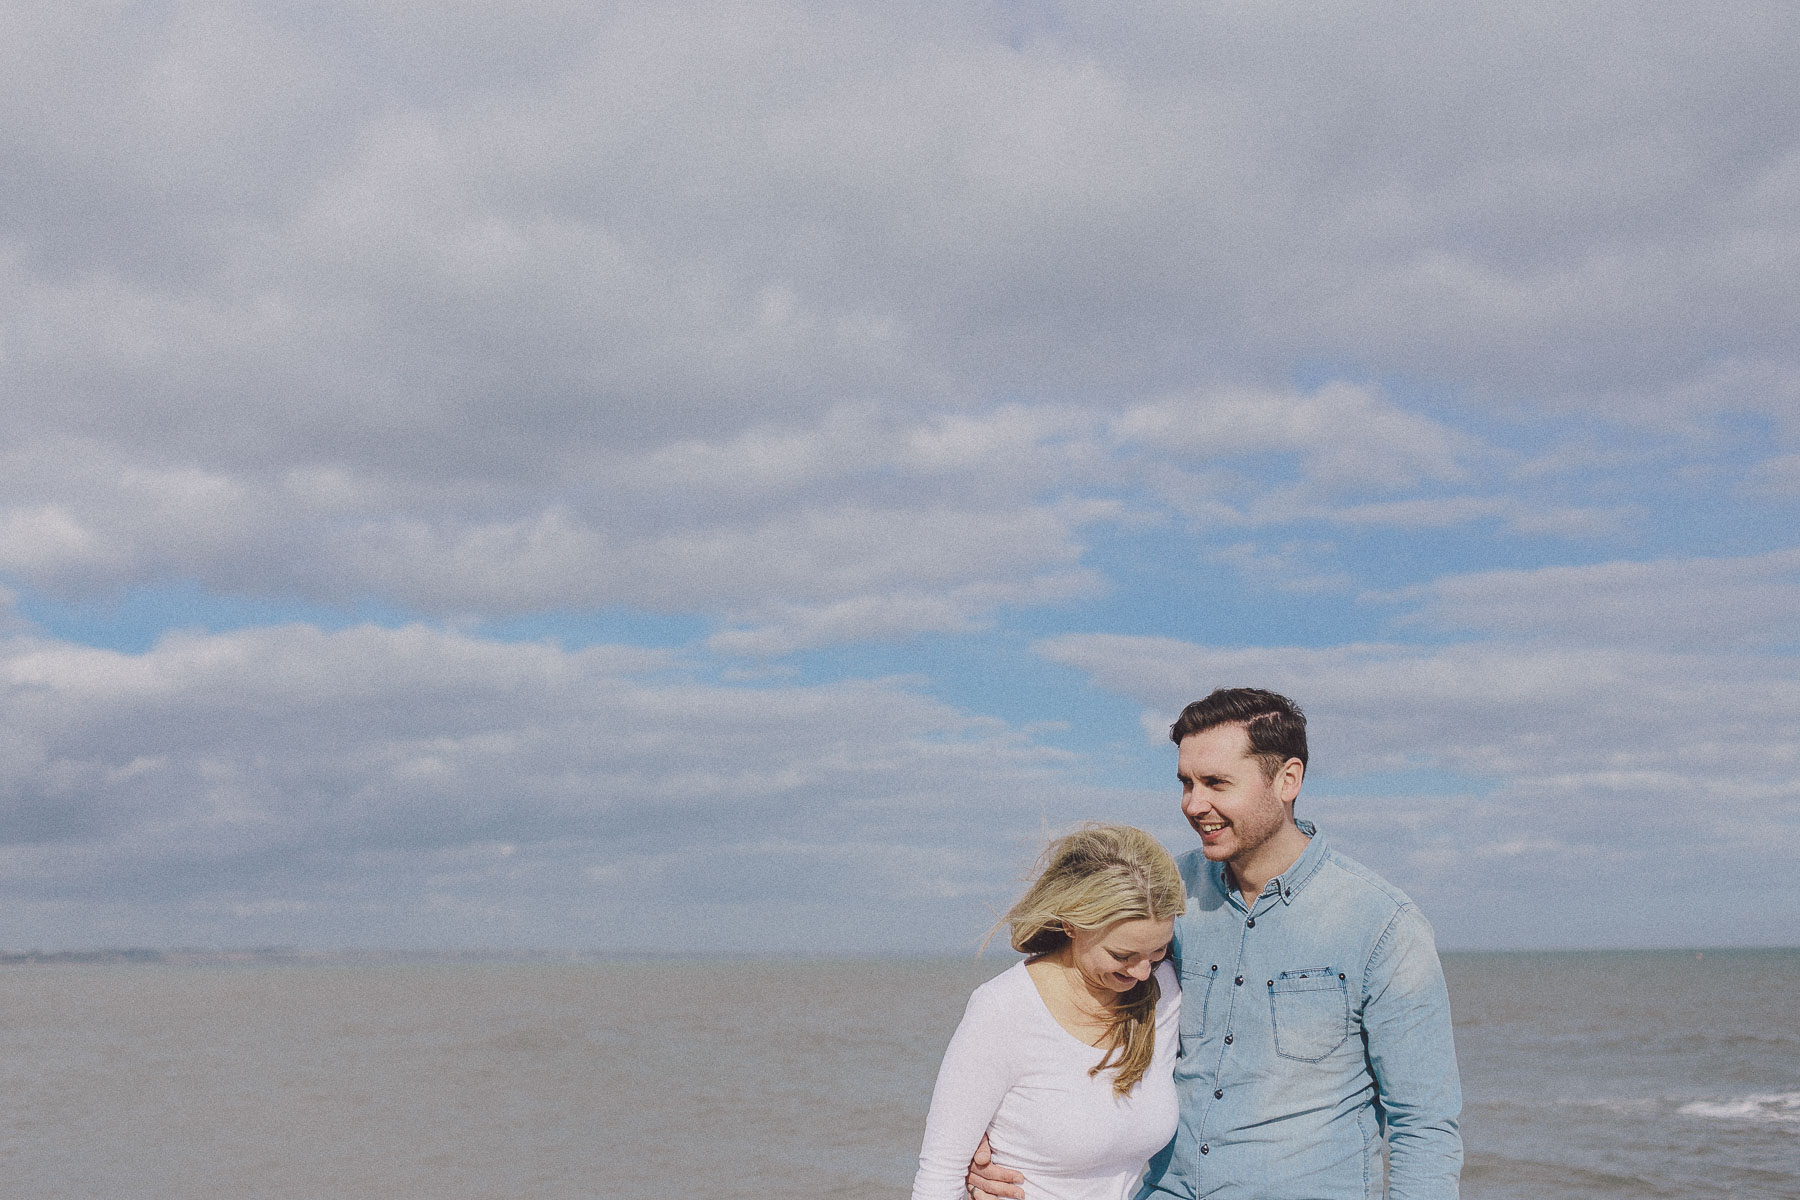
x=1587 y=1076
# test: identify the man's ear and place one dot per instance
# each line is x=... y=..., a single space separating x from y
x=1289 y=779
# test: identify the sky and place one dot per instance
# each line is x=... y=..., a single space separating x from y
x=706 y=477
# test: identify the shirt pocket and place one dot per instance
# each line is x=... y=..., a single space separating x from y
x=1310 y=1007
x=1196 y=986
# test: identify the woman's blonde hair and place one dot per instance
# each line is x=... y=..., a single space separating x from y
x=1090 y=879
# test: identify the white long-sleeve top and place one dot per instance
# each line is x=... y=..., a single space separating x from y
x=1013 y=1073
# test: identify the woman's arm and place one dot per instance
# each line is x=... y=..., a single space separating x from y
x=976 y=1073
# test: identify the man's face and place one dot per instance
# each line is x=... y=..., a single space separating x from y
x=1225 y=796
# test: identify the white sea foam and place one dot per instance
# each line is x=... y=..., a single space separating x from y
x=1779 y=1108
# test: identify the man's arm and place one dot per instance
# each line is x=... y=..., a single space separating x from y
x=988 y=1182
x=1406 y=1020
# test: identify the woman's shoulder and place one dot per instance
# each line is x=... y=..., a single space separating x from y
x=996 y=1006
x=1004 y=991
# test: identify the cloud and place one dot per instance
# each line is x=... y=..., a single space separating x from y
x=276 y=783
x=1776 y=478
x=947 y=526
x=630 y=222
x=1675 y=604
x=493 y=311
x=1294 y=567
x=782 y=629
x=1349 y=437
x=1516 y=515
x=1483 y=709
x=1622 y=781
x=823 y=325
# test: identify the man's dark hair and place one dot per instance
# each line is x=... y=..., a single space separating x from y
x=1275 y=724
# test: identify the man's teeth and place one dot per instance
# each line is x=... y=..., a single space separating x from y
x=1209 y=827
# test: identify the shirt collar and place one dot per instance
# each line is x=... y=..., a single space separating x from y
x=1291 y=880
x=1306 y=866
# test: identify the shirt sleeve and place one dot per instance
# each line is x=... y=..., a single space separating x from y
x=976 y=1073
x=1407 y=1021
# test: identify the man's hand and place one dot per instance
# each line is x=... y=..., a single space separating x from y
x=988 y=1182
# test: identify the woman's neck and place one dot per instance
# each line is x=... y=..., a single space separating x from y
x=1093 y=1004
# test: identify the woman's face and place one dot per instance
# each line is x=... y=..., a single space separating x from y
x=1122 y=955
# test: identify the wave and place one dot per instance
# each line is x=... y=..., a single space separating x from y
x=1780 y=1108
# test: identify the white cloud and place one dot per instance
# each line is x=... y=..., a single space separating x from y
x=493 y=309
x=1698 y=602
x=1535 y=716
x=45 y=536
x=1291 y=567
x=827 y=324
x=1625 y=783
x=1514 y=514
x=876 y=617
x=289 y=776
x=851 y=555
x=1348 y=437
x=703 y=213
x=943 y=517
x=1776 y=478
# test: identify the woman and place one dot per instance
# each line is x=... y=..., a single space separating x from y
x=1065 y=1061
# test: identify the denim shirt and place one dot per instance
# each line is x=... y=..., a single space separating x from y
x=1310 y=1025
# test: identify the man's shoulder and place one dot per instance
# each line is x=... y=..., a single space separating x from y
x=1386 y=917
x=1192 y=864
x=1365 y=906
x=1347 y=878
x=1197 y=873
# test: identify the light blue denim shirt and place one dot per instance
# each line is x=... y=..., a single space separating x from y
x=1310 y=1024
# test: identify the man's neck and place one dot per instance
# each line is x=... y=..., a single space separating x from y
x=1269 y=860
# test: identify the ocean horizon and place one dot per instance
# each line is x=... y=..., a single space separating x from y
x=303 y=954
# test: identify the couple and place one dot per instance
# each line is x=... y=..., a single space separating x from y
x=1259 y=1020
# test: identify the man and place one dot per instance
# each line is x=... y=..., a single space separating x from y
x=1315 y=1024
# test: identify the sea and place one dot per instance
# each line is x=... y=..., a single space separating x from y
x=1587 y=1076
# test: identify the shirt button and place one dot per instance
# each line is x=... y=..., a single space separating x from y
x=1205 y=1149
x=1218 y=1093
x=1228 y=1039
x=1250 y=924
x=1240 y=981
